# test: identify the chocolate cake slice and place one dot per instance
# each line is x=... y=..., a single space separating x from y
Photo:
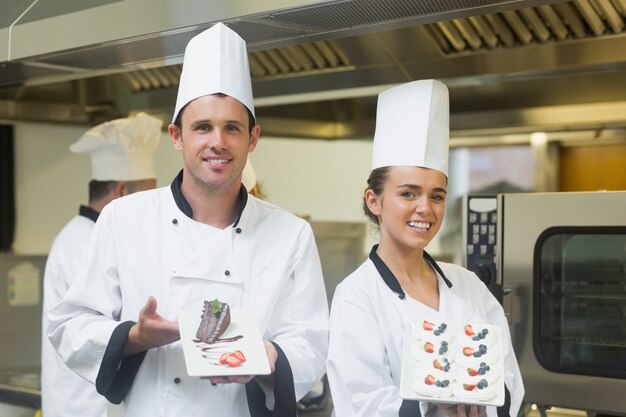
x=215 y=320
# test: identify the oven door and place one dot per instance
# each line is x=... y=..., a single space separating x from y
x=564 y=259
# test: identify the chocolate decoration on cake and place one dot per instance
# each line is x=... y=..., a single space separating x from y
x=215 y=320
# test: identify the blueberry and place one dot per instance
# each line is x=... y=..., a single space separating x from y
x=487 y=367
x=484 y=381
x=481 y=371
x=436 y=332
x=481 y=335
x=476 y=338
x=443 y=350
x=446 y=368
x=476 y=354
x=443 y=325
x=482 y=364
x=485 y=332
x=437 y=383
x=479 y=385
x=445 y=383
x=444 y=343
x=446 y=361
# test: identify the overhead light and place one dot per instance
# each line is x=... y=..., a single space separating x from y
x=536 y=24
x=452 y=35
x=501 y=29
x=484 y=30
x=256 y=68
x=520 y=29
x=553 y=20
x=301 y=58
x=468 y=32
x=266 y=62
x=621 y=6
x=538 y=138
x=611 y=15
x=591 y=17
x=314 y=54
x=436 y=34
x=571 y=19
x=277 y=59
x=288 y=56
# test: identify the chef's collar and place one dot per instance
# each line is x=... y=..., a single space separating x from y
x=185 y=207
x=391 y=280
x=88 y=212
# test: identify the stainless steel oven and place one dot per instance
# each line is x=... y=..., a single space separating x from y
x=561 y=260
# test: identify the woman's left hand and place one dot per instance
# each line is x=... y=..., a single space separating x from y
x=462 y=410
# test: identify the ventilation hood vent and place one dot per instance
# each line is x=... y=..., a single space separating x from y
x=317 y=66
x=262 y=30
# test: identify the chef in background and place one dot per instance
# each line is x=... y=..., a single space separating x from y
x=400 y=282
x=154 y=254
x=122 y=162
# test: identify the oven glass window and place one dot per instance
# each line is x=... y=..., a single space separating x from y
x=580 y=300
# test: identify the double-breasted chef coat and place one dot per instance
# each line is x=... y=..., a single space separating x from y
x=148 y=244
x=63 y=393
x=367 y=319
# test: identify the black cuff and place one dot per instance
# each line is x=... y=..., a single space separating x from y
x=505 y=410
x=410 y=408
x=284 y=391
x=117 y=373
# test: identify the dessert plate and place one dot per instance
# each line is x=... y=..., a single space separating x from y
x=203 y=359
x=415 y=367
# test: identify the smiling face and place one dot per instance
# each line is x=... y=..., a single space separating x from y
x=410 y=208
x=214 y=139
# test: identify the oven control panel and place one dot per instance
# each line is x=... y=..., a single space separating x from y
x=479 y=233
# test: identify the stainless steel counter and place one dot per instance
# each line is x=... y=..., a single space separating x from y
x=20 y=387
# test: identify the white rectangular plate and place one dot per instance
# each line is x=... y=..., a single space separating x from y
x=242 y=323
x=409 y=365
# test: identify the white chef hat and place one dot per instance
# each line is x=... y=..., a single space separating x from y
x=412 y=126
x=122 y=149
x=248 y=177
x=216 y=61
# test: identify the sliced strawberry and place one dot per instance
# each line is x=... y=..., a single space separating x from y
x=224 y=357
x=469 y=387
x=239 y=354
x=428 y=347
x=472 y=372
x=437 y=364
x=429 y=380
x=467 y=351
x=233 y=361
x=468 y=330
x=428 y=325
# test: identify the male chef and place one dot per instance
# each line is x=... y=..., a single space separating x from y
x=204 y=237
x=122 y=162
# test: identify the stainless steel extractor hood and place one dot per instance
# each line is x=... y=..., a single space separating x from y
x=512 y=66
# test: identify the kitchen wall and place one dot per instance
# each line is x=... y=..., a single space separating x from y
x=320 y=179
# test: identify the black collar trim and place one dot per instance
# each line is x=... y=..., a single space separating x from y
x=185 y=207
x=391 y=280
x=88 y=212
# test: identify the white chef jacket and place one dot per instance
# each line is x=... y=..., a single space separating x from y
x=63 y=392
x=148 y=244
x=368 y=315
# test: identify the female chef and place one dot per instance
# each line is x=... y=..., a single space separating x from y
x=400 y=282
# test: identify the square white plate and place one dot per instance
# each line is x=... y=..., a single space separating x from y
x=410 y=364
x=206 y=363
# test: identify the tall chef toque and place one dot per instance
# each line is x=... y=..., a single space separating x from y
x=216 y=61
x=122 y=149
x=412 y=126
